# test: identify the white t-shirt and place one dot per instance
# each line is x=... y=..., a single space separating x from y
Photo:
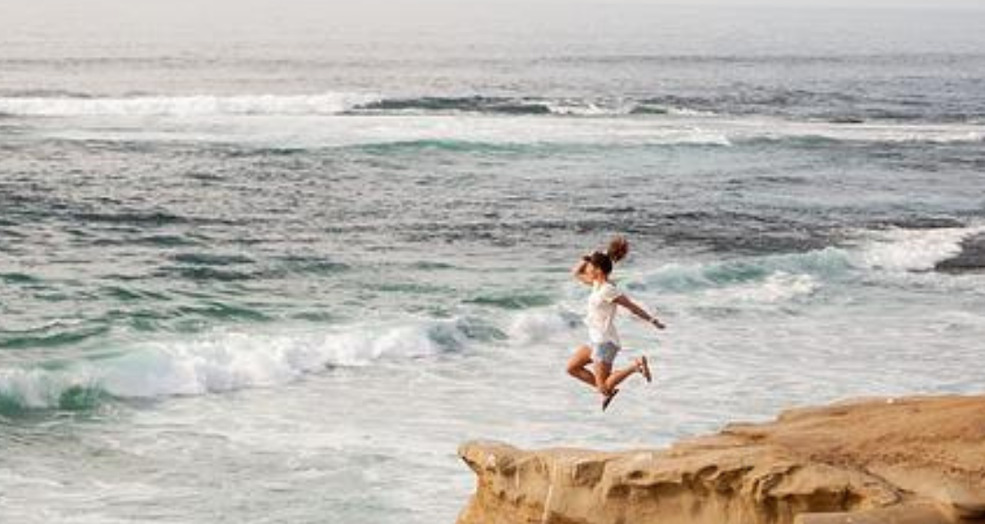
x=601 y=313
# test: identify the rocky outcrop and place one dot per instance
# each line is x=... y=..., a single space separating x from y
x=900 y=461
x=971 y=258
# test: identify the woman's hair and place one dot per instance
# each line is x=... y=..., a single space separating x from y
x=618 y=249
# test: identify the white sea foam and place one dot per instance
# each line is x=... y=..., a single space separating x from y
x=230 y=360
x=912 y=249
x=359 y=130
x=778 y=287
x=801 y=271
x=324 y=121
x=584 y=109
x=775 y=129
x=781 y=278
x=685 y=111
x=538 y=325
x=197 y=105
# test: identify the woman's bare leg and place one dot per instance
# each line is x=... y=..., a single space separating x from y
x=613 y=380
x=576 y=365
x=602 y=371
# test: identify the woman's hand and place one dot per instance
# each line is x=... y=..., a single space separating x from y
x=580 y=272
x=657 y=323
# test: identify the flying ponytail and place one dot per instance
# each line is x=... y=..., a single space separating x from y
x=618 y=248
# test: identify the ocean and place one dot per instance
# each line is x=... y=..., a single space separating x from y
x=267 y=263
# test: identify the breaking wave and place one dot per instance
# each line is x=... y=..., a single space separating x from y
x=64 y=104
x=228 y=361
x=197 y=105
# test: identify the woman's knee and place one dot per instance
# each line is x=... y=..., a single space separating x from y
x=574 y=366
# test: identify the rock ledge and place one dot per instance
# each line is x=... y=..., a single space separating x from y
x=900 y=461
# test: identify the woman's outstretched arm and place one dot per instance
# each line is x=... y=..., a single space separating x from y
x=625 y=302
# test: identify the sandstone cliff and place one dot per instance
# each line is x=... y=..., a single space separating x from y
x=902 y=461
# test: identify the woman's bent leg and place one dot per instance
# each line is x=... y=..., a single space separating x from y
x=602 y=371
x=576 y=365
x=616 y=378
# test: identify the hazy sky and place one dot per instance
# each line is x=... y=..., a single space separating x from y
x=15 y=5
x=889 y=23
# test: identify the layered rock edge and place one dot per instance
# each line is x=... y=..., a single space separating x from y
x=918 y=460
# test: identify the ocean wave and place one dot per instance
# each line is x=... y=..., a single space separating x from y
x=514 y=135
x=744 y=102
x=912 y=249
x=227 y=361
x=496 y=106
x=540 y=324
x=527 y=106
x=469 y=104
x=687 y=278
x=777 y=287
x=783 y=277
x=70 y=104
x=192 y=105
x=823 y=136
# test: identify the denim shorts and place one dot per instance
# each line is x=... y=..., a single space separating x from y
x=605 y=352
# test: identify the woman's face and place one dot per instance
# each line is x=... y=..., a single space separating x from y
x=594 y=272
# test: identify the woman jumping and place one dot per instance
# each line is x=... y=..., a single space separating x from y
x=594 y=270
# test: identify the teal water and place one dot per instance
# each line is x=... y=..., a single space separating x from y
x=280 y=274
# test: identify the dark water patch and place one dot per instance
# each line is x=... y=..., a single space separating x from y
x=205 y=273
x=211 y=259
x=716 y=275
x=45 y=93
x=205 y=177
x=311 y=264
x=75 y=399
x=480 y=330
x=846 y=120
x=121 y=293
x=783 y=179
x=221 y=311
x=722 y=231
x=649 y=108
x=132 y=294
x=512 y=301
x=759 y=242
x=135 y=237
x=241 y=151
x=166 y=240
x=917 y=222
x=610 y=210
x=318 y=316
x=471 y=104
x=145 y=321
x=412 y=288
x=25 y=198
x=809 y=142
x=767 y=180
x=150 y=218
x=81 y=398
x=448 y=145
x=11 y=406
x=19 y=278
x=971 y=259
x=431 y=266
x=49 y=336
